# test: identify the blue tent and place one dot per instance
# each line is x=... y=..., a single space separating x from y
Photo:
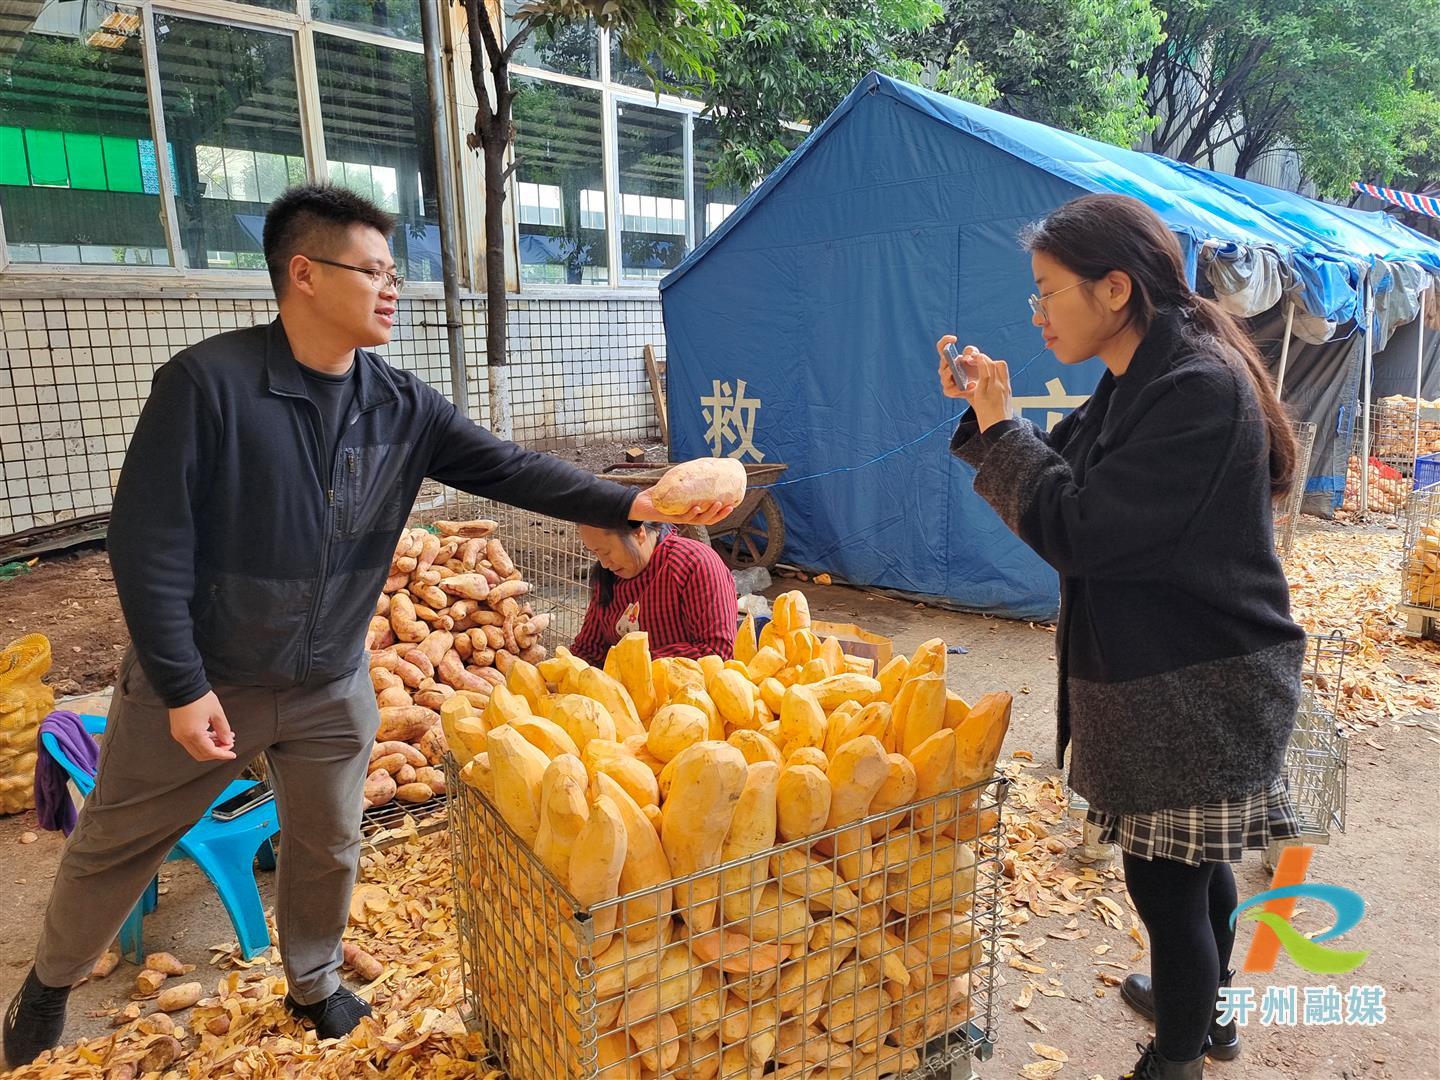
x=802 y=331
x=1370 y=234
x=1400 y=264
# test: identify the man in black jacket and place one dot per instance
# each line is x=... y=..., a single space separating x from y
x=266 y=484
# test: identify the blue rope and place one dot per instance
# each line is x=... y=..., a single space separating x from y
x=947 y=422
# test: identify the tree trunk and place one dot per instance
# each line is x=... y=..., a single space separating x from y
x=496 y=302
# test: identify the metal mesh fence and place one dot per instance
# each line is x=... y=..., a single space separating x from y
x=546 y=550
x=578 y=372
x=863 y=951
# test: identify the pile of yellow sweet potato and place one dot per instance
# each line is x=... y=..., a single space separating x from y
x=451 y=620
x=775 y=861
x=1422 y=568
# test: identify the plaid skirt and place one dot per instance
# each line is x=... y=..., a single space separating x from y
x=1215 y=832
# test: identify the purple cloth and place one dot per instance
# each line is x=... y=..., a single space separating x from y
x=52 y=796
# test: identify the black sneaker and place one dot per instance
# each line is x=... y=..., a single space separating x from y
x=34 y=1021
x=334 y=1017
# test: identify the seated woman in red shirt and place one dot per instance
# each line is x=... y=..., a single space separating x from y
x=653 y=579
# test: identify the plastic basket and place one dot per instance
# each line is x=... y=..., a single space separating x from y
x=1427 y=471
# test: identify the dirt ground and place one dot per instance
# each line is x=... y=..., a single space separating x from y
x=1388 y=854
x=71 y=600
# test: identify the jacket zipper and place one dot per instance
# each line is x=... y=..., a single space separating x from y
x=306 y=654
x=321 y=580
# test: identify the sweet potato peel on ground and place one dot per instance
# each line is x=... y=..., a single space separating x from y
x=241 y=1028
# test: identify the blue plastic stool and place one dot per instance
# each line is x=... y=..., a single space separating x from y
x=224 y=850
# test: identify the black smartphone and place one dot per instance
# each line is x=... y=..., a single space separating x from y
x=248 y=799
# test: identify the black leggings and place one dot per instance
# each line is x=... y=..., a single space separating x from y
x=1186 y=910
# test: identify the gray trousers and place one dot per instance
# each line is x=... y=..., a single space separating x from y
x=149 y=791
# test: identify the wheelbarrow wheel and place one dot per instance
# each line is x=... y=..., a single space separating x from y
x=756 y=541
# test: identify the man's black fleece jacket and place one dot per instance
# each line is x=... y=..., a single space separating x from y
x=247 y=554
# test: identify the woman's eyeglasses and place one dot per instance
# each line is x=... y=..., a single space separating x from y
x=1037 y=303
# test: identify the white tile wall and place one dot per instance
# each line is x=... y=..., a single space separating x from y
x=75 y=372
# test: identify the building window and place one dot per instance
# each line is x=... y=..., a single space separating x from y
x=574 y=48
x=592 y=209
x=538 y=204
x=713 y=203
x=628 y=72
x=397 y=18
x=237 y=174
x=560 y=184
x=231 y=102
x=78 y=175
x=375 y=108
x=651 y=171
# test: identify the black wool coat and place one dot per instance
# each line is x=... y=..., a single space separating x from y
x=1179 y=664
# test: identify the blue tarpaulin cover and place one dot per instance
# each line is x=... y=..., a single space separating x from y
x=802 y=330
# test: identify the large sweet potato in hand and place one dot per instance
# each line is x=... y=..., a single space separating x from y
x=693 y=483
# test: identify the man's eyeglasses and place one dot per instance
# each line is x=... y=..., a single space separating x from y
x=1037 y=303
x=379 y=278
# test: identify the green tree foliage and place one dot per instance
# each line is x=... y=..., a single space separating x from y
x=1071 y=63
x=1337 y=80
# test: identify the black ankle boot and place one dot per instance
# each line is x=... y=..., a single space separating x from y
x=333 y=1017
x=1152 y=1066
x=1221 y=1043
x=34 y=1021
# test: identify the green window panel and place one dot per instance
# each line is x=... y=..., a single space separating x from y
x=46 y=150
x=122 y=164
x=13 y=170
x=86 y=160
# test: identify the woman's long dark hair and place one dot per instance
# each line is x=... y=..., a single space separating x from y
x=1095 y=234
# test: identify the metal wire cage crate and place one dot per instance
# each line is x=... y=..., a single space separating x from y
x=1287 y=514
x=1402 y=429
x=547 y=551
x=1420 y=561
x=1315 y=760
x=774 y=964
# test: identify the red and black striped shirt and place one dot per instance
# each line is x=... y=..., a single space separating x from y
x=684 y=599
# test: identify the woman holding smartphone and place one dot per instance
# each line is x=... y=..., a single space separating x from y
x=1179 y=665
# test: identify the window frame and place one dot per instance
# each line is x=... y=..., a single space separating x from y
x=39 y=279
x=612 y=96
